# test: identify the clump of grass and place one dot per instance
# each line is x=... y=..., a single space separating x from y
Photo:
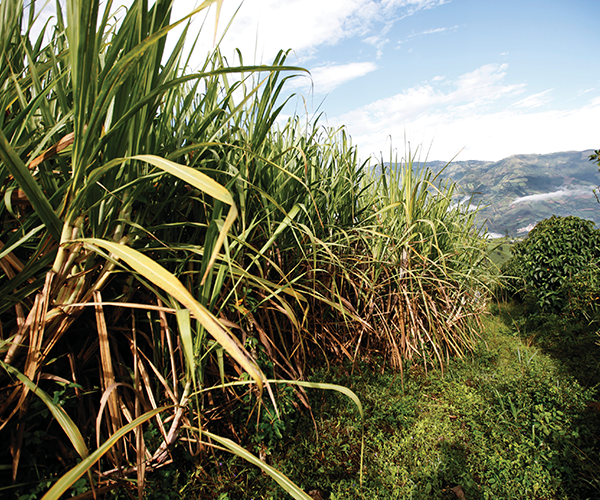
x=500 y=250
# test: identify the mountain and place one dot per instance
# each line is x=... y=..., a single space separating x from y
x=517 y=192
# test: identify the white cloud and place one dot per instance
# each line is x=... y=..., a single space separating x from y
x=534 y=101
x=433 y=31
x=473 y=89
x=471 y=115
x=561 y=193
x=263 y=27
x=585 y=91
x=412 y=6
x=326 y=78
x=378 y=42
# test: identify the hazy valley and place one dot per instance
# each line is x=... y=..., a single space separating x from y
x=517 y=192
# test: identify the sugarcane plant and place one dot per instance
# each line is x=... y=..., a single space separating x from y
x=81 y=154
x=158 y=224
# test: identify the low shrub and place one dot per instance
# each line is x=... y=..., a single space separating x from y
x=556 y=268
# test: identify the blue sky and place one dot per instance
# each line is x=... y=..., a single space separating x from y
x=483 y=79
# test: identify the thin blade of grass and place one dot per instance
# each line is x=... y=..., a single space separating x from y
x=71 y=430
x=281 y=478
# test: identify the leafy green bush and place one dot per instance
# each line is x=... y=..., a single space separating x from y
x=556 y=267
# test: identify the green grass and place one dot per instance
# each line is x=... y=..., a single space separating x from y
x=499 y=250
x=512 y=421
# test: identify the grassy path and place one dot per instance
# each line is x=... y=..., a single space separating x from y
x=514 y=420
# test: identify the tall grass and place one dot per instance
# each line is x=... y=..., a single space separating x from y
x=156 y=223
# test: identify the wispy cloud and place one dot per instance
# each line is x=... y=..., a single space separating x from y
x=378 y=42
x=585 y=91
x=561 y=193
x=473 y=113
x=413 y=6
x=534 y=101
x=433 y=31
x=324 y=79
x=263 y=27
x=474 y=89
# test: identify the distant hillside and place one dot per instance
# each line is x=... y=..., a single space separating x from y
x=521 y=190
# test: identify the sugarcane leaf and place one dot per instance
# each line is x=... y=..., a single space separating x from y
x=192 y=176
x=206 y=184
x=71 y=430
x=76 y=472
x=28 y=184
x=162 y=278
x=286 y=483
x=185 y=332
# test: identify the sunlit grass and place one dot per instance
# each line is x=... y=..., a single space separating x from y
x=509 y=421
